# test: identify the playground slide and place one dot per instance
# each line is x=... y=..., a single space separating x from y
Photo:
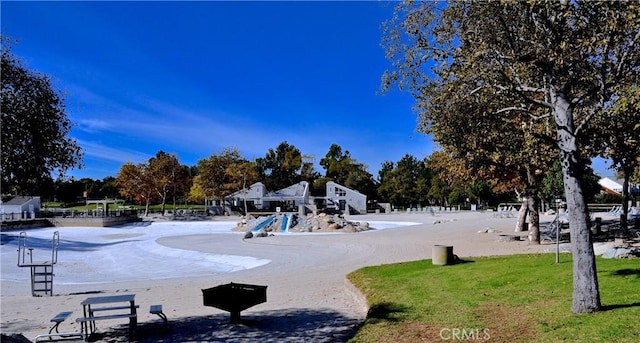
x=264 y=223
x=286 y=221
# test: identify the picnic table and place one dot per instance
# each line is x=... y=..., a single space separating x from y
x=106 y=308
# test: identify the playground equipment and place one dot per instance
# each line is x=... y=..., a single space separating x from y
x=41 y=271
x=264 y=223
x=286 y=223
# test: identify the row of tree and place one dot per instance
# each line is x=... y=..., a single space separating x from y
x=408 y=182
x=479 y=164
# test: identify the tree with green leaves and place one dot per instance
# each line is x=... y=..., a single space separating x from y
x=388 y=183
x=281 y=167
x=308 y=171
x=405 y=183
x=552 y=184
x=557 y=63
x=196 y=193
x=105 y=188
x=620 y=127
x=447 y=174
x=70 y=191
x=343 y=169
x=34 y=129
x=222 y=174
x=335 y=163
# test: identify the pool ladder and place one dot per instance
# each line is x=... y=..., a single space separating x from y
x=41 y=272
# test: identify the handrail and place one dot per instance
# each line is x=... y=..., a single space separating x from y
x=22 y=248
x=54 y=247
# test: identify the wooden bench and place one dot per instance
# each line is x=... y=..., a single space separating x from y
x=57 y=319
x=157 y=310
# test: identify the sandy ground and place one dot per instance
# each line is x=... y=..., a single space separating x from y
x=308 y=296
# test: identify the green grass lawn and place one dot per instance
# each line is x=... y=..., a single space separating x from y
x=519 y=298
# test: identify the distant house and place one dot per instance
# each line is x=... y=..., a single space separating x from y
x=19 y=207
x=291 y=198
x=346 y=199
x=288 y=198
x=258 y=198
x=613 y=186
x=254 y=194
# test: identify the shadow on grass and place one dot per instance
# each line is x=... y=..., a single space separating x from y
x=623 y=272
x=386 y=311
x=626 y=272
x=619 y=306
x=461 y=261
x=287 y=325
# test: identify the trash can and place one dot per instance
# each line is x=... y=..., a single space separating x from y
x=442 y=255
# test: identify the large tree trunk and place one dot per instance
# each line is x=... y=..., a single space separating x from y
x=586 y=295
x=624 y=225
x=533 y=202
x=522 y=216
x=163 y=196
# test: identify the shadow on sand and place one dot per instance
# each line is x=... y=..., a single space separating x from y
x=288 y=325
x=43 y=245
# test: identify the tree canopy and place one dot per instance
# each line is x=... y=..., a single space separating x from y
x=135 y=182
x=343 y=169
x=224 y=173
x=281 y=167
x=406 y=182
x=167 y=175
x=554 y=65
x=619 y=125
x=156 y=179
x=34 y=129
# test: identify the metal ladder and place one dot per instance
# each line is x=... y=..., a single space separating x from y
x=42 y=279
x=41 y=272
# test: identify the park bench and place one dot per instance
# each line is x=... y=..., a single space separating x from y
x=57 y=319
x=157 y=310
x=91 y=322
x=115 y=309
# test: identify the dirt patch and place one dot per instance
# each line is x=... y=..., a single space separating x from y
x=507 y=323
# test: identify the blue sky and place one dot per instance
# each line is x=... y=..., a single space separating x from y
x=192 y=78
